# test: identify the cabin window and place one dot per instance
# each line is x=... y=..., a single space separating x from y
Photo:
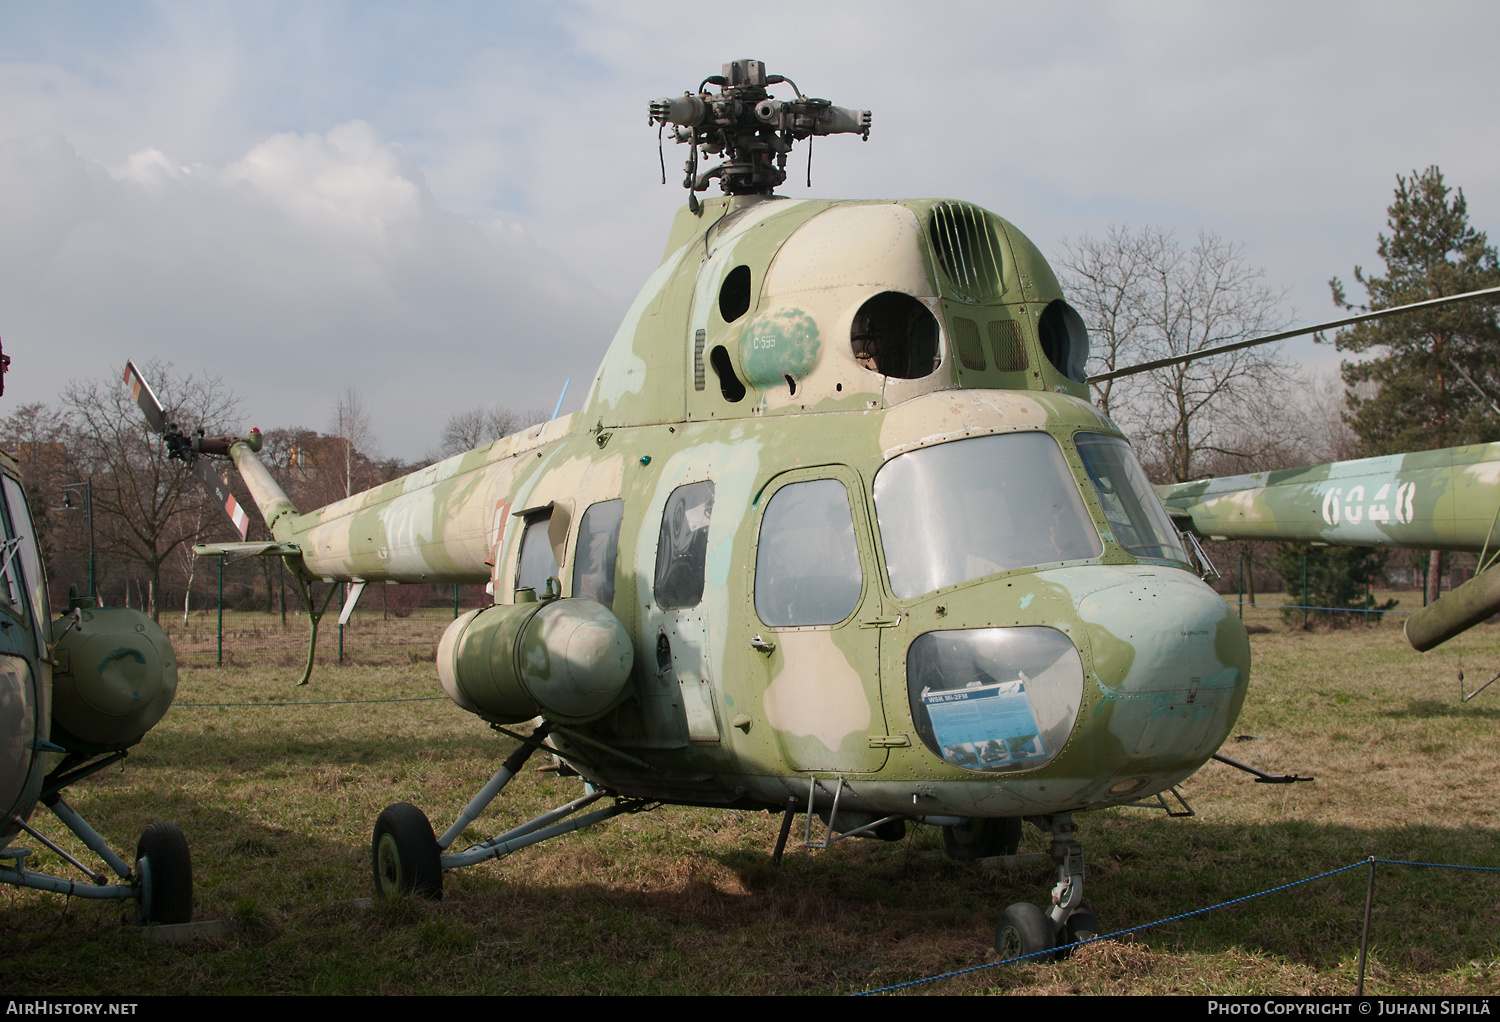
x=895 y=335
x=971 y=508
x=598 y=547
x=1131 y=507
x=807 y=568
x=537 y=562
x=682 y=547
x=1065 y=340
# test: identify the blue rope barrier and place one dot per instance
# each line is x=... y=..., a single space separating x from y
x=1172 y=919
x=1437 y=865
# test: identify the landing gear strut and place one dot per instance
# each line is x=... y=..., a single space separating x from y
x=160 y=884
x=1024 y=929
x=407 y=857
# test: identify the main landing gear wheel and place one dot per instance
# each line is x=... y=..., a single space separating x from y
x=405 y=856
x=980 y=838
x=1024 y=929
x=164 y=876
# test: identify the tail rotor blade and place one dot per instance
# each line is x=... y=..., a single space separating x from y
x=219 y=490
x=145 y=397
x=185 y=449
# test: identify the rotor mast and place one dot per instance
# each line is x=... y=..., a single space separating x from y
x=752 y=130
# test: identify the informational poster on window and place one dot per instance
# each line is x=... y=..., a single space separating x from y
x=985 y=726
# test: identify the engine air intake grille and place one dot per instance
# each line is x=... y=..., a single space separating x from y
x=965 y=245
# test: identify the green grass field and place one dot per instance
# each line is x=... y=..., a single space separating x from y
x=278 y=801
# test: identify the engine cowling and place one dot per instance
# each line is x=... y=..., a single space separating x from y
x=567 y=660
x=113 y=679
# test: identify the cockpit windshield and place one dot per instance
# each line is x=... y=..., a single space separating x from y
x=975 y=507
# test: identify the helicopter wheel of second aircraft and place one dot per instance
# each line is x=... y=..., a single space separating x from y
x=162 y=855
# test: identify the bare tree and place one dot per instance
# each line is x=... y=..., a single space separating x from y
x=190 y=561
x=351 y=423
x=146 y=506
x=469 y=429
x=1108 y=280
x=1145 y=297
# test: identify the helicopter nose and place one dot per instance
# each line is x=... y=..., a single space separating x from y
x=1172 y=663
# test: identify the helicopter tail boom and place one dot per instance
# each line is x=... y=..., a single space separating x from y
x=275 y=506
x=1428 y=500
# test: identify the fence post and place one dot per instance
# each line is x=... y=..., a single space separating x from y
x=1242 y=587
x=221 y=610
x=1304 y=592
x=343 y=595
x=455 y=601
x=1364 y=940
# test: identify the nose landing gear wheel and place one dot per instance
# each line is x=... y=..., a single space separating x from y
x=1083 y=924
x=404 y=855
x=164 y=876
x=1024 y=929
x=981 y=838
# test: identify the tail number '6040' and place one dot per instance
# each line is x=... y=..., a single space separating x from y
x=1351 y=509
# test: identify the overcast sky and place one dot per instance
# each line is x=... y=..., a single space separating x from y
x=445 y=206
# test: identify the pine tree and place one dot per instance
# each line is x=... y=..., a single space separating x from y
x=1420 y=401
x=1335 y=577
x=1435 y=380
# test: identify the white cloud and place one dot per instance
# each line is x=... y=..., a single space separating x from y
x=310 y=263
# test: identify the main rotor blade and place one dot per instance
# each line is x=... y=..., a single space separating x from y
x=219 y=490
x=1193 y=356
x=145 y=397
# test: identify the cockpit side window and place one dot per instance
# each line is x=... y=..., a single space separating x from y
x=537 y=562
x=1137 y=519
x=597 y=551
x=11 y=585
x=25 y=579
x=807 y=568
x=682 y=547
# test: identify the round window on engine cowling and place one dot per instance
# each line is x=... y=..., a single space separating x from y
x=1065 y=339
x=895 y=335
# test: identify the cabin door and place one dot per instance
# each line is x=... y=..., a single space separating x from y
x=810 y=631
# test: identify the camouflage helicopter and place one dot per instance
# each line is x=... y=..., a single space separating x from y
x=77 y=692
x=836 y=532
x=1446 y=499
